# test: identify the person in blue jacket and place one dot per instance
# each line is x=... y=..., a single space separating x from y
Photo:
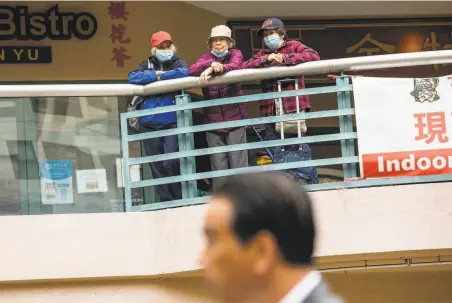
x=163 y=64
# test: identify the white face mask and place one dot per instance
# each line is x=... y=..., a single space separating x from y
x=220 y=55
x=164 y=55
x=273 y=41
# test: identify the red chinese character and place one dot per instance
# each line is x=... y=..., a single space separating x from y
x=119 y=55
x=117 y=10
x=117 y=33
x=434 y=127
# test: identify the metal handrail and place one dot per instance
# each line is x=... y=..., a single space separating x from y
x=308 y=68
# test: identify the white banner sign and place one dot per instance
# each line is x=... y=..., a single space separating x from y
x=404 y=126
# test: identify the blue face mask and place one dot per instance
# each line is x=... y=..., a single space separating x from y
x=272 y=41
x=164 y=55
x=220 y=55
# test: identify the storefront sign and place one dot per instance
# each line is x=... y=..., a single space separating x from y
x=56 y=182
x=334 y=40
x=17 y=23
x=25 y=54
x=404 y=126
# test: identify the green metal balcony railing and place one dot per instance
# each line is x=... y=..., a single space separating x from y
x=185 y=129
x=187 y=153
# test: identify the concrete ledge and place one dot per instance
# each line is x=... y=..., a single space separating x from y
x=351 y=223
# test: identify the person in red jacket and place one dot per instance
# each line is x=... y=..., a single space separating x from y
x=281 y=52
x=221 y=59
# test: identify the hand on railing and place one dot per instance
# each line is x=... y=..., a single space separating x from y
x=275 y=58
x=217 y=67
x=206 y=75
x=159 y=72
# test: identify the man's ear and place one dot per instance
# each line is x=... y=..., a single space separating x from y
x=265 y=250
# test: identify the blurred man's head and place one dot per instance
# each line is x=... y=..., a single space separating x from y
x=256 y=225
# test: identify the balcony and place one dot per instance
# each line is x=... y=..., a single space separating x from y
x=362 y=222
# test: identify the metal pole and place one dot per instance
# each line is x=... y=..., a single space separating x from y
x=281 y=112
x=125 y=164
x=181 y=139
x=309 y=68
x=237 y=76
x=189 y=146
x=346 y=126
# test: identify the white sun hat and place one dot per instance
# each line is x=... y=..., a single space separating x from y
x=221 y=31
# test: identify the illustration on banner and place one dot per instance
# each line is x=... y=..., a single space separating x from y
x=425 y=90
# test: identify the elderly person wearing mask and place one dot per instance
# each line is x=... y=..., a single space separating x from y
x=163 y=64
x=221 y=59
x=281 y=52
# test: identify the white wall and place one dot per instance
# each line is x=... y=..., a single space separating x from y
x=350 y=223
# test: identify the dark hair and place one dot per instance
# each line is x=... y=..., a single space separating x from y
x=274 y=203
x=282 y=32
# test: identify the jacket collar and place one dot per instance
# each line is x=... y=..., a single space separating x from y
x=303 y=289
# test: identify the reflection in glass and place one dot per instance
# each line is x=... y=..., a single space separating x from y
x=81 y=131
x=9 y=157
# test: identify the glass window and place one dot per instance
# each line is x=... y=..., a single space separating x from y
x=63 y=155
x=10 y=139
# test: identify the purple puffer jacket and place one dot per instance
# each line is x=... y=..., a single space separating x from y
x=222 y=113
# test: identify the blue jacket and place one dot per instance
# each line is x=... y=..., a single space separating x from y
x=145 y=74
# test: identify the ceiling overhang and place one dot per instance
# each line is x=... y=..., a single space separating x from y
x=257 y=10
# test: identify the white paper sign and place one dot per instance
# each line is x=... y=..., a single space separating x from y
x=91 y=181
x=135 y=173
x=404 y=126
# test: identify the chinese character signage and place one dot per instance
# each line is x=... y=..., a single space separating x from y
x=334 y=40
x=56 y=182
x=404 y=126
x=18 y=23
x=375 y=48
x=118 y=33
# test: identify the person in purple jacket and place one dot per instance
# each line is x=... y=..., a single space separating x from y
x=221 y=59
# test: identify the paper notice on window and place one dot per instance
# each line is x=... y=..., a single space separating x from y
x=91 y=181
x=56 y=181
x=135 y=173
